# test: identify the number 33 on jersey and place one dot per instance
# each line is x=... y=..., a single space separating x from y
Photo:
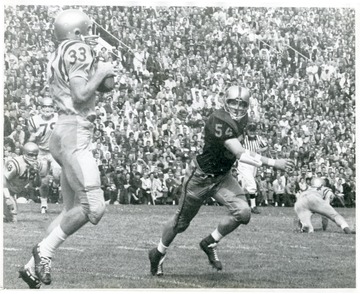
x=72 y=58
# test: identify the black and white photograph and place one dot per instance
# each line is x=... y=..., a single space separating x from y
x=179 y=146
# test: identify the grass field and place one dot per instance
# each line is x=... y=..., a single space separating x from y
x=267 y=253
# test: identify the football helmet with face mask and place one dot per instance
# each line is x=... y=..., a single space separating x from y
x=30 y=153
x=317 y=182
x=73 y=24
x=47 y=107
x=236 y=101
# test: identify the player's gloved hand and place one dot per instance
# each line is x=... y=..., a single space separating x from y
x=284 y=164
x=34 y=170
x=35 y=166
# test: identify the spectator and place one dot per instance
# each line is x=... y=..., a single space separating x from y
x=172 y=71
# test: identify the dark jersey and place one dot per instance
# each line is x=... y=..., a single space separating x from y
x=215 y=158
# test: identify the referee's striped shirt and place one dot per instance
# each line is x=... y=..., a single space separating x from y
x=253 y=144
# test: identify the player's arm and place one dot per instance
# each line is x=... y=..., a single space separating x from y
x=6 y=189
x=85 y=73
x=35 y=132
x=10 y=171
x=7 y=196
x=83 y=89
x=261 y=150
x=253 y=158
x=263 y=145
x=35 y=172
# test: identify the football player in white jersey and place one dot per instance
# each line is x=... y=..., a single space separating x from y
x=40 y=128
x=74 y=75
x=18 y=172
x=317 y=199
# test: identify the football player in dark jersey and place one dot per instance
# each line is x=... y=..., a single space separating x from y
x=209 y=174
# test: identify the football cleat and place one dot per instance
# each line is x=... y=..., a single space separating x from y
x=347 y=230
x=42 y=266
x=208 y=245
x=32 y=281
x=255 y=210
x=160 y=270
x=156 y=262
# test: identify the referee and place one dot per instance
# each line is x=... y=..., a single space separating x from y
x=247 y=173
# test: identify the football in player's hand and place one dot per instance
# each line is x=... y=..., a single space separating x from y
x=107 y=84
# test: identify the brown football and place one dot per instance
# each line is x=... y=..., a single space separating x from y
x=107 y=84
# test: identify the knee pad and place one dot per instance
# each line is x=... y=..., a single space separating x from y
x=44 y=187
x=95 y=206
x=242 y=215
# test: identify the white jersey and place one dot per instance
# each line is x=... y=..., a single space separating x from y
x=323 y=192
x=43 y=129
x=17 y=174
x=73 y=58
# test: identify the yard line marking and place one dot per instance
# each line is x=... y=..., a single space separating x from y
x=131 y=248
x=298 y=246
x=12 y=249
x=71 y=249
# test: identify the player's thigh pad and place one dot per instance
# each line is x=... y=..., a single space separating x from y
x=232 y=196
x=188 y=208
x=195 y=188
x=74 y=137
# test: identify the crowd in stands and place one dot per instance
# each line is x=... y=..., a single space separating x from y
x=173 y=64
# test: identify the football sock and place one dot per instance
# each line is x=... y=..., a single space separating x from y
x=162 y=248
x=43 y=202
x=216 y=235
x=252 y=201
x=52 y=242
x=347 y=230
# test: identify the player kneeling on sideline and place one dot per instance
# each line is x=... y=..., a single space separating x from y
x=317 y=199
x=209 y=175
x=18 y=172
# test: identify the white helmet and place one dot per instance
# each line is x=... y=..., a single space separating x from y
x=236 y=101
x=73 y=24
x=317 y=182
x=47 y=107
x=30 y=152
